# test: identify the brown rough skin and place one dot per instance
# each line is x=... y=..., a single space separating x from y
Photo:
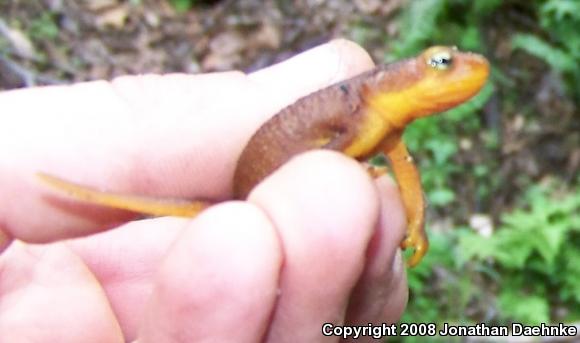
x=331 y=114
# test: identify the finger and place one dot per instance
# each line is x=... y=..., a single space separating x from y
x=130 y=134
x=317 y=68
x=48 y=295
x=219 y=282
x=380 y=295
x=325 y=208
x=125 y=262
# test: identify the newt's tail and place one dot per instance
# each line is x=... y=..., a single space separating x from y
x=141 y=204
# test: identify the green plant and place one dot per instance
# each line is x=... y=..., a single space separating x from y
x=4 y=45
x=183 y=5
x=559 y=43
x=535 y=251
x=436 y=21
x=43 y=27
x=528 y=267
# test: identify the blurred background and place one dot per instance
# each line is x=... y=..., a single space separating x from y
x=501 y=173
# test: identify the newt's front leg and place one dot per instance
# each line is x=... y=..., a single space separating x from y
x=409 y=182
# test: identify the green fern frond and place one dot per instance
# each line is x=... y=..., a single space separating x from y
x=561 y=9
x=556 y=58
x=419 y=22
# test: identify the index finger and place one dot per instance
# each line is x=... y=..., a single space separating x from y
x=168 y=136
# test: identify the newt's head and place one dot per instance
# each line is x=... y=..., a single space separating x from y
x=436 y=80
x=450 y=76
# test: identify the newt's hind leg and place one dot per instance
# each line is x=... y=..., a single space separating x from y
x=409 y=182
x=145 y=205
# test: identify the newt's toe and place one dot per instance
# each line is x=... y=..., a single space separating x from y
x=419 y=244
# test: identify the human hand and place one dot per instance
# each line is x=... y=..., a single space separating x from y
x=315 y=242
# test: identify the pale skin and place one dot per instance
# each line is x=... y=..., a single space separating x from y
x=315 y=242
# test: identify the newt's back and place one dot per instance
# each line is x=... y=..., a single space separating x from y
x=326 y=119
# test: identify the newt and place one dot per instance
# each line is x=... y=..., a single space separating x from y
x=360 y=117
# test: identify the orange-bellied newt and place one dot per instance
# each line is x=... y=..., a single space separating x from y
x=360 y=117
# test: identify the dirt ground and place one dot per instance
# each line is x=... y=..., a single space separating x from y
x=60 y=41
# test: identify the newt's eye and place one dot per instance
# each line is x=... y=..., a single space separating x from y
x=440 y=60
